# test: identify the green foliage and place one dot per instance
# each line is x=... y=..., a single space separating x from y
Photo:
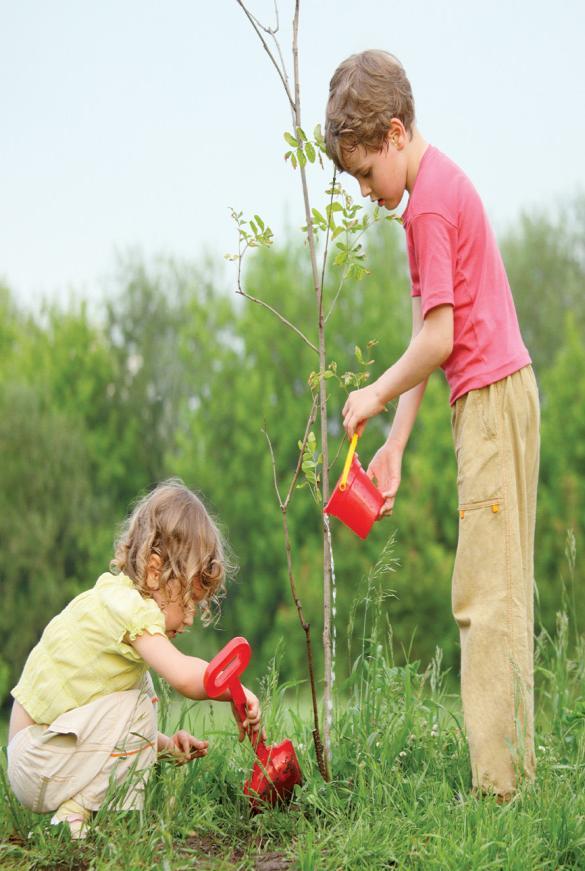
x=303 y=149
x=174 y=375
x=545 y=260
x=400 y=794
x=562 y=477
x=45 y=518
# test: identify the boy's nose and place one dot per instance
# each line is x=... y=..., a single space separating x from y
x=188 y=618
x=365 y=188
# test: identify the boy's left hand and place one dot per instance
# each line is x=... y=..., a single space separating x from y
x=184 y=747
x=359 y=406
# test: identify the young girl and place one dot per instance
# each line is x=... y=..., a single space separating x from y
x=84 y=716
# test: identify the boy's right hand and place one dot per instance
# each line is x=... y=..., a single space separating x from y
x=385 y=469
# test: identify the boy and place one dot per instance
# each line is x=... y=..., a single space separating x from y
x=464 y=320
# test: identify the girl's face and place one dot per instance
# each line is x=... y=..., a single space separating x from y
x=178 y=617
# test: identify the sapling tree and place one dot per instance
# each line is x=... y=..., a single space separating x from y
x=339 y=225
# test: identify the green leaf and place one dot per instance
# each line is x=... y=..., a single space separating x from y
x=310 y=152
x=291 y=140
x=301 y=134
x=260 y=222
x=357 y=272
x=301 y=157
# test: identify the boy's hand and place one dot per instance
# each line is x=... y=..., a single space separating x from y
x=183 y=747
x=359 y=406
x=252 y=722
x=385 y=468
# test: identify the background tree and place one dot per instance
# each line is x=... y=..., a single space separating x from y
x=84 y=429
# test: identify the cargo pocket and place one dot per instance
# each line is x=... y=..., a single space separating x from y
x=494 y=505
x=479 y=573
x=477 y=450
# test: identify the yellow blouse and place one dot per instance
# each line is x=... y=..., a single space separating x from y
x=82 y=656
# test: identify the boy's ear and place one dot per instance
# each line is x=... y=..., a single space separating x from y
x=396 y=135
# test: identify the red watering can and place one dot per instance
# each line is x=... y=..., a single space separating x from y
x=277 y=770
x=356 y=501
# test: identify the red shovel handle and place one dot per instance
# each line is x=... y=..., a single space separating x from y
x=222 y=673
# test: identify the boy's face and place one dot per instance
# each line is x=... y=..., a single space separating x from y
x=381 y=175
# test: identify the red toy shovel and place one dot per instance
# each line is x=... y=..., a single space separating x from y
x=277 y=770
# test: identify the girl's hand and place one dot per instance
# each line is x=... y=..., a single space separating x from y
x=252 y=722
x=183 y=747
x=359 y=406
x=385 y=469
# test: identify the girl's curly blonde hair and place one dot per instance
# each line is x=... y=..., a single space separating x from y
x=366 y=92
x=172 y=522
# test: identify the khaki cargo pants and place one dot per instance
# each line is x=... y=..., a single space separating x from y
x=496 y=436
x=102 y=749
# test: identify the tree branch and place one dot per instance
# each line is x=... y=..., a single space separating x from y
x=321 y=757
x=280 y=318
x=240 y=290
x=310 y=422
x=281 y=73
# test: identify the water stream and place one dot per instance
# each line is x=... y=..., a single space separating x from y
x=329 y=713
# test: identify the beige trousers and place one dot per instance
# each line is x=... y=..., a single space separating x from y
x=496 y=435
x=86 y=753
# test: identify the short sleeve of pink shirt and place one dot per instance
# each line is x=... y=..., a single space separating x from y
x=433 y=256
x=454 y=260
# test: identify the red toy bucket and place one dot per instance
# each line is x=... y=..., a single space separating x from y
x=356 y=501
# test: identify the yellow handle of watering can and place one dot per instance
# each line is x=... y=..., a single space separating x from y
x=348 y=459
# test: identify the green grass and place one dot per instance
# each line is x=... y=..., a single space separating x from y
x=400 y=795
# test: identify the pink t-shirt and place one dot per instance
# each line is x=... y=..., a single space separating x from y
x=454 y=259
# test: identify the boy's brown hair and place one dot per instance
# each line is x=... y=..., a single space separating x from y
x=367 y=90
x=173 y=523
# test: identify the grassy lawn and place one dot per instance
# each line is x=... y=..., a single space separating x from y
x=400 y=795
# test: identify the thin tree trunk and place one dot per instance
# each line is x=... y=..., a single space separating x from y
x=328 y=683
x=294 y=100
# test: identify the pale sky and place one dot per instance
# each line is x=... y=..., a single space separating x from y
x=137 y=123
